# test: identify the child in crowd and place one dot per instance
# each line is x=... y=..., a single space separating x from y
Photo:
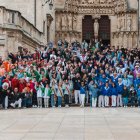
x=91 y=88
x=47 y=94
x=59 y=94
x=125 y=96
x=66 y=93
x=101 y=97
x=95 y=91
x=82 y=94
x=39 y=88
x=132 y=96
x=53 y=93
x=114 y=95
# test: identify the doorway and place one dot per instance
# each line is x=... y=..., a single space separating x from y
x=104 y=29
x=87 y=28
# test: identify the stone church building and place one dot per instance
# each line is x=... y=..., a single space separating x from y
x=31 y=23
x=113 y=21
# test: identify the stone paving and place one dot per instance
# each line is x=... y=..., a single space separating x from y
x=70 y=124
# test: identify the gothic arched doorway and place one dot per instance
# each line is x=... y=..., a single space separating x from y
x=104 y=29
x=87 y=28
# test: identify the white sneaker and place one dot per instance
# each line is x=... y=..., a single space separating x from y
x=66 y=106
x=13 y=105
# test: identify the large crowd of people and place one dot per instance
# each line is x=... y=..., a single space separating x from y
x=71 y=73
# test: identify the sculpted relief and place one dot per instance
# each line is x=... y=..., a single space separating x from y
x=96 y=1
x=75 y=22
x=69 y=22
x=96 y=28
x=66 y=22
x=58 y=22
x=129 y=22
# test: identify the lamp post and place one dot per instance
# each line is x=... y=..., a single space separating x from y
x=50 y=3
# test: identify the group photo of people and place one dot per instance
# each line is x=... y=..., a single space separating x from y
x=71 y=74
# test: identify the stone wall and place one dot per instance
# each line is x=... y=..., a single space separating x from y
x=27 y=9
x=122 y=14
x=16 y=31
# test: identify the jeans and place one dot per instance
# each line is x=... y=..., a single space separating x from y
x=125 y=101
x=66 y=99
x=138 y=101
x=52 y=100
x=90 y=100
x=59 y=101
x=27 y=102
x=132 y=101
x=87 y=96
x=24 y=102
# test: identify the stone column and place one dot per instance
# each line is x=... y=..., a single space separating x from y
x=79 y=25
x=113 y=26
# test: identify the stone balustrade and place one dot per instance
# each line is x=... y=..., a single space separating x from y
x=14 y=20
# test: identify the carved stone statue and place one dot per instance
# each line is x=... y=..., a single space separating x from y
x=96 y=1
x=58 y=23
x=90 y=1
x=70 y=22
x=129 y=22
x=119 y=23
x=96 y=28
x=103 y=1
x=83 y=1
x=75 y=22
x=64 y=23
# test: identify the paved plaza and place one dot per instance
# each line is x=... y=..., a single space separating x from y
x=70 y=124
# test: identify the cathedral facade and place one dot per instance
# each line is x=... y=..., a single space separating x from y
x=114 y=22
